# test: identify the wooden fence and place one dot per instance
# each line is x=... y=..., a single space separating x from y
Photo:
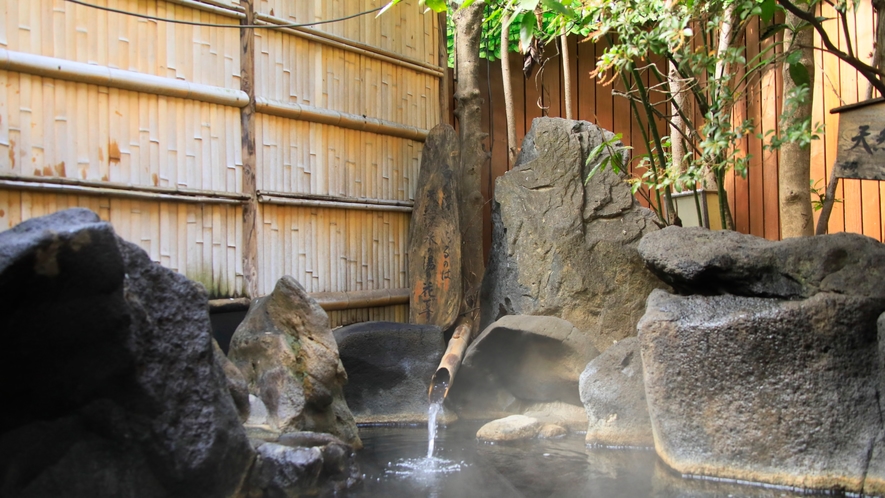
x=754 y=199
x=142 y=121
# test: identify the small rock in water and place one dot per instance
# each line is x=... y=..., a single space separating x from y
x=551 y=431
x=512 y=428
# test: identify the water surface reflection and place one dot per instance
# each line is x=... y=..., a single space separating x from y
x=395 y=465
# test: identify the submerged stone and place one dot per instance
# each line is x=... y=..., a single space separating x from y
x=512 y=428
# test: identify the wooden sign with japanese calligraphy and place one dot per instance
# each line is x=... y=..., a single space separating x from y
x=434 y=234
x=861 y=150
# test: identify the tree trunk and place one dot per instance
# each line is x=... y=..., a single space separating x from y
x=796 y=214
x=468 y=110
x=878 y=60
x=567 y=75
x=725 y=31
x=508 y=90
x=445 y=89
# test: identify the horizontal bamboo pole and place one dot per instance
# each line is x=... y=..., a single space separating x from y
x=126 y=186
x=341 y=119
x=329 y=301
x=229 y=305
x=328 y=204
x=356 y=47
x=318 y=36
x=78 y=72
x=333 y=301
x=134 y=193
x=336 y=198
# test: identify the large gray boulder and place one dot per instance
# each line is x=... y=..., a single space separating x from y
x=110 y=385
x=389 y=366
x=767 y=390
x=564 y=248
x=700 y=261
x=522 y=363
x=770 y=368
x=613 y=394
x=288 y=355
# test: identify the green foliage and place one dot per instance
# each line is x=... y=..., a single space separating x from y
x=819 y=195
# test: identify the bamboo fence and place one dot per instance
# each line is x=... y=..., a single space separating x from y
x=140 y=121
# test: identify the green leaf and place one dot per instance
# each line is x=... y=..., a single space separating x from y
x=436 y=5
x=794 y=57
x=769 y=7
x=772 y=30
x=527 y=4
x=527 y=31
x=556 y=6
x=799 y=74
x=465 y=4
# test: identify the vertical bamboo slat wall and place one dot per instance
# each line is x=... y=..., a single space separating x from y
x=754 y=199
x=182 y=156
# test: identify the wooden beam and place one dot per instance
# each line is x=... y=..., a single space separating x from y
x=329 y=301
x=247 y=122
x=318 y=203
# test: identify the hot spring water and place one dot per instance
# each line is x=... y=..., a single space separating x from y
x=457 y=465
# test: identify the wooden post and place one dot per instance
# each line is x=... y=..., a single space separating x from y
x=247 y=122
x=445 y=85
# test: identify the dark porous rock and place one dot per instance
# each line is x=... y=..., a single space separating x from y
x=766 y=390
x=874 y=485
x=121 y=395
x=613 y=394
x=517 y=363
x=236 y=383
x=289 y=357
x=700 y=261
x=389 y=366
x=562 y=248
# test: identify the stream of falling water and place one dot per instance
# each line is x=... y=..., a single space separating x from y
x=437 y=396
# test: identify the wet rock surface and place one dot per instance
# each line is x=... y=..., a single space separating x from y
x=302 y=463
x=520 y=362
x=389 y=366
x=562 y=248
x=122 y=395
x=764 y=390
x=236 y=383
x=613 y=394
x=289 y=357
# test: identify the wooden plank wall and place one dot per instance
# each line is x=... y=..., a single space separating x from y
x=754 y=199
x=64 y=131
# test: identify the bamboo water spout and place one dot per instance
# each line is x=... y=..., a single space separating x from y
x=445 y=373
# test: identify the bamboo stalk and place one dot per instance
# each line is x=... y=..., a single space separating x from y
x=62 y=187
x=292 y=110
x=285 y=201
x=78 y=72
x=335 y=198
